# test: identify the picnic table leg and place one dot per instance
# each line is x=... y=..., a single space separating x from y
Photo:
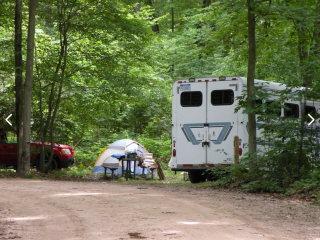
x=122 y=167
x=127 y=171
x=152 y=169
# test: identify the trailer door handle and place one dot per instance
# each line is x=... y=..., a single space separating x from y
x=206 y=138
x=205 y=144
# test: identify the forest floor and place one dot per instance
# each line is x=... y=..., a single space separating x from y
x=47 y=209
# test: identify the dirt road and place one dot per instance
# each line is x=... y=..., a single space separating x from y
x=44 y=210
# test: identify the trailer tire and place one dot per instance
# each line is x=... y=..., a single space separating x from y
x=196 y=176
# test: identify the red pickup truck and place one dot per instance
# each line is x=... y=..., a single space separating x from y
x=63 y=154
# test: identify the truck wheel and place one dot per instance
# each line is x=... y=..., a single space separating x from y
x=53 y=165
x=197 y=176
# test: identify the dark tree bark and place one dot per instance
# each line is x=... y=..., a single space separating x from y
x=172 y=19
x=18 y=74
x=155 y=28
x=251 y=75
x=206 y=3
x=26 y=111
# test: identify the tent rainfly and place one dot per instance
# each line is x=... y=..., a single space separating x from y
x=120 y=147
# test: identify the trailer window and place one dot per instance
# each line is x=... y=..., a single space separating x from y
x=222 y=97
x=310 y=110
x=191 y=99
x=291 y=110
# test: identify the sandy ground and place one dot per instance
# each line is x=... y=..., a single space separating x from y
x=44 y=210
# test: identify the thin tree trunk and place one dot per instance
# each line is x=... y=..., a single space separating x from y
x=26 y=117
x=206 y=3
x=250 y=77
x=63 y=28
x=40 y=164
x=172 y=19
x=155 y=28
x=18 y=75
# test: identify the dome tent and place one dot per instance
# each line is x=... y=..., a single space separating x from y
x=120 y=147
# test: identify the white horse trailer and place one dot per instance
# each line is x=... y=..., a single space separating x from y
x=204 y=122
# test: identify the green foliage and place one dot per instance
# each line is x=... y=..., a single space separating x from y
x=310 y=183
x=80 y=170
x=30 y=175
x=161 y=148
x=234 y=175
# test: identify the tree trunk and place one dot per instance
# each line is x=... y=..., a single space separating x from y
x=155 y=28
x=26 y=116
x=172 y=19
x=250 y=77
x=303 y=48
x=18 y=75
x=61 y=66
x=315 y=49
x=206 y=3
x=40 y=164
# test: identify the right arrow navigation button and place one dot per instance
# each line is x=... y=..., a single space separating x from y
x=311 y=118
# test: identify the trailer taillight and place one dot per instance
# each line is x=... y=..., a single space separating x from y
x=174 y=152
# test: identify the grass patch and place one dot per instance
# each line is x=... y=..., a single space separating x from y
x=31 y=175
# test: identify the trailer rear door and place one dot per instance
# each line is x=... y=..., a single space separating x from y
x=191 y=113
x=222 y=121
x=204 y=123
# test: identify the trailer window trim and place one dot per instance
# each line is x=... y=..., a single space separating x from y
x=226 y=97
x=191 y=99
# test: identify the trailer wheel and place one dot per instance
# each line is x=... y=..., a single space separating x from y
x=197 y=176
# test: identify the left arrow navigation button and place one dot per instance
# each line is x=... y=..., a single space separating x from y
x=8 y=120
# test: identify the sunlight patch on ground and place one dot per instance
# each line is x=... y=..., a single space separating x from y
x=90 y=194
x=75 y=194
x=206 y=223
x=27 y=218
x=189 y=223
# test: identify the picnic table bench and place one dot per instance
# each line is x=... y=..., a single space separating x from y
x=111 y=166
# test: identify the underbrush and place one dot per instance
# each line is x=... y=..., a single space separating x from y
x=264 y=181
